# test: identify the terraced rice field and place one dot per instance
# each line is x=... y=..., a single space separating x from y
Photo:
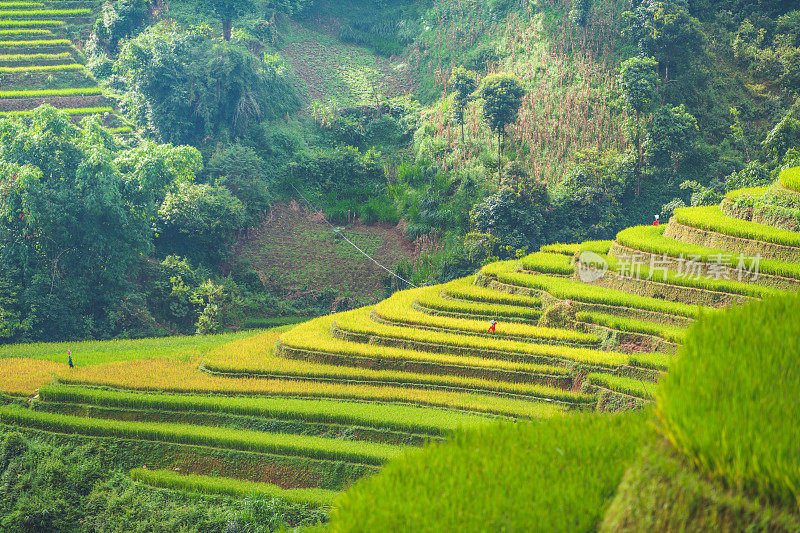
x=360 y=388
x=40 y=65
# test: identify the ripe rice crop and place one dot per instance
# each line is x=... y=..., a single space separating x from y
x=32 y=93
x=558 y=248
x=465 y=289
x=33 y=13
x=38 y=68
x=68 y=111
x=651 y=239
x=313 y=336
x=430 y=298
x=711 y=218
x=22 y=376
x=36 y=43
x=231 y=487
x=358 y=321
x=631 y=325
x=729 y=402
x=400 y=308
x=755 y=192
x=567 y=289
x=548 y=263
x=35 y=57
x=24 y=32
x=790 y=178
x=393 y=416
x=183 y=377
x=22 y=23
x=254 y=441
x=629 y=386
x=21 y=4
x=238 y=358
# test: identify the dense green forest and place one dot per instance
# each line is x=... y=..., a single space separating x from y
x=517 y=123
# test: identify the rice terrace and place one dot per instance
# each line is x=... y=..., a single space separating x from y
x=399 y=265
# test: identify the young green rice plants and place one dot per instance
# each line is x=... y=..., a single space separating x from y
x=33 y=93
x=431 y=299
x=632 y=325
x=359 y=322
x=548 y=263
x=183 y=377
x=651 y=239
x=231 y=487
x=711 y=218
x=729 y=403
x=567 y=289
x=465 y=289
x=632 y=387
x=397 y=417
x=313 y=341
x=558 y=248
x=671 y=277
x=501 y=477
x=286 y=444
x=790 y=178
x=68 y=111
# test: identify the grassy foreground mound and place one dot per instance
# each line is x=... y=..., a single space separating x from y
x=558 y=475
x=729 y=401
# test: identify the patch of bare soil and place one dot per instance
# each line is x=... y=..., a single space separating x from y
x=296 y=254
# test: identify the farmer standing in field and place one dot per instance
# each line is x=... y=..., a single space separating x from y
x=492 y=325
x=69 y=360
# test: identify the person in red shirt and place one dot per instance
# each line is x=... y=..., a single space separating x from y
x=655 y=222
x=492 y=325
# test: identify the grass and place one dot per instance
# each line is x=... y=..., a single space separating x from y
x=359 y=322
x=548 y=263
x=711 y=218
x=558 y=476
x=396 y=417
x=567 y=289
x=231 y=487
x=729 y=401
x=183 y=377
x=244 y=440
x=790 y=178
x=632 y=325
x=651 y=239
x=629 y=386
x=32 y=93
x=22 y=376
x=68 y=111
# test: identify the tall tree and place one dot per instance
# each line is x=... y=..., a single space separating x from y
x=639 y=82
x=671 y=136
x=464 y=83
x=228 y=11
x=502 y=97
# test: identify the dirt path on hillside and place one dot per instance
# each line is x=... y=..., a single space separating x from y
x=297 y=254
